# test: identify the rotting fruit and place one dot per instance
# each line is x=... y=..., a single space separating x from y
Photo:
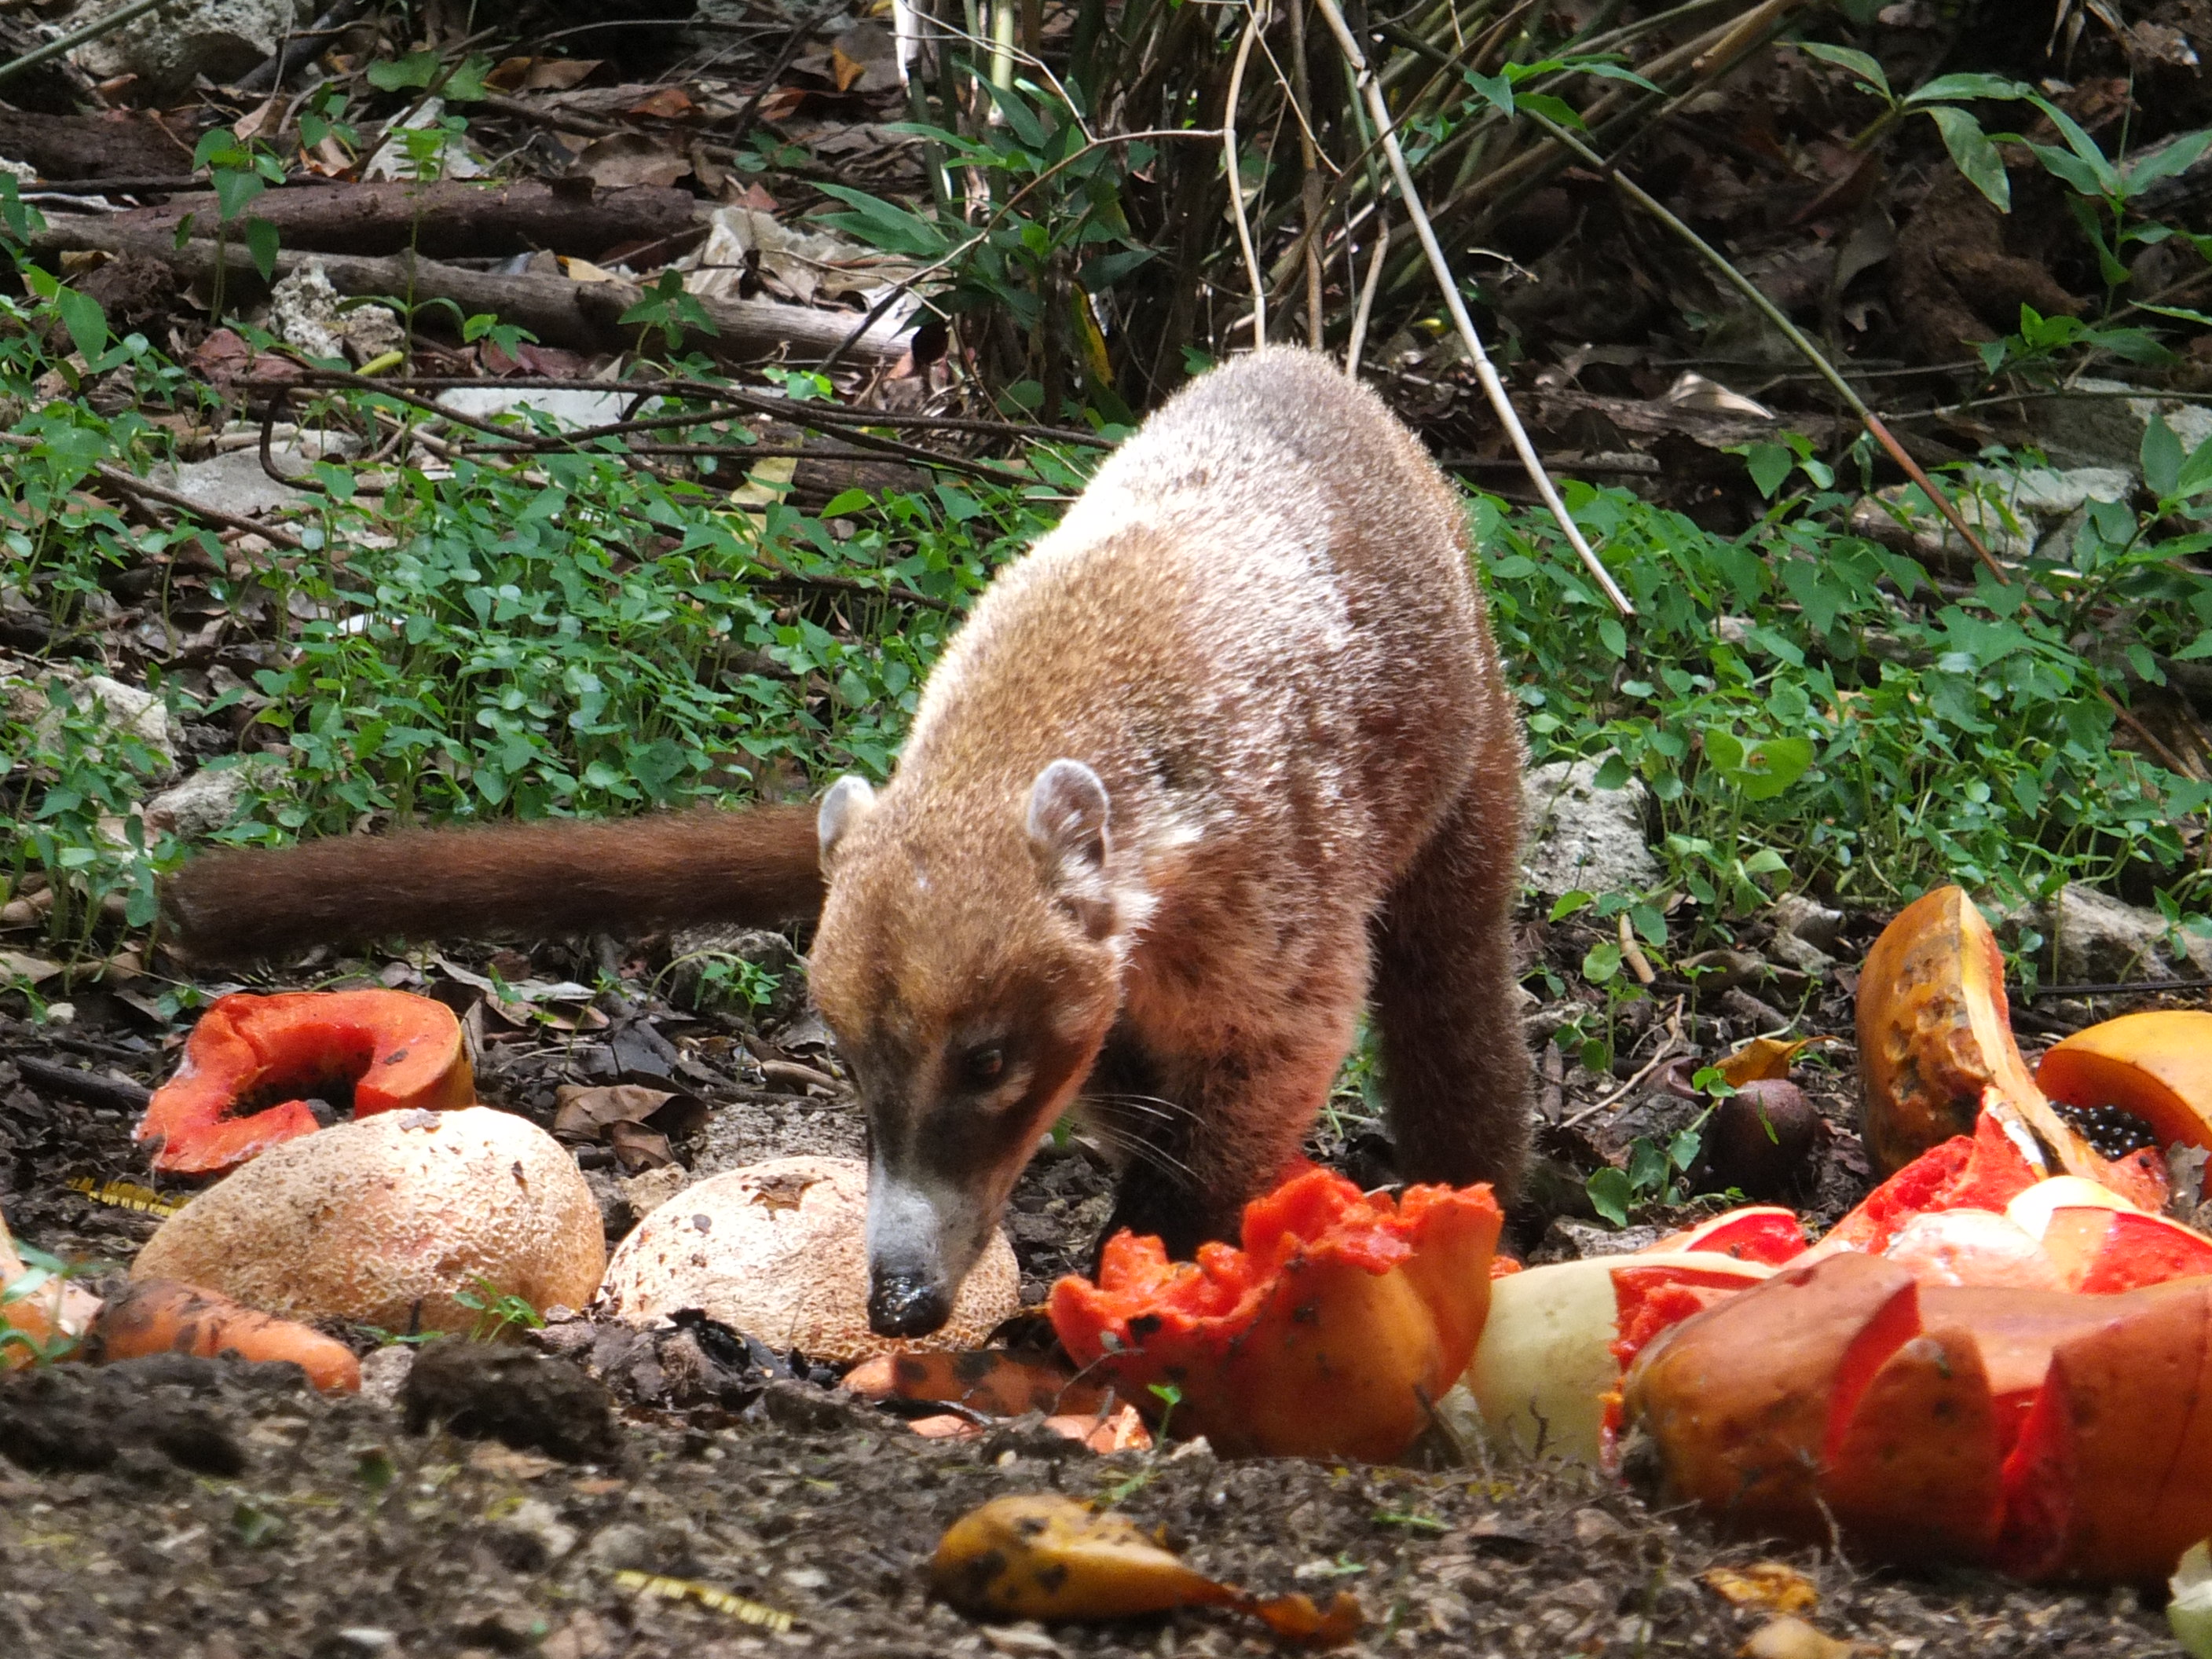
x=1045 y=1557
x=2048 y=1435
x=2155 y=1067
x=253 y=1063
x=1331 y=1333
x=1936 y=1054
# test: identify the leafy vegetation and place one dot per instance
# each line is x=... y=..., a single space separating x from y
x=571 y=633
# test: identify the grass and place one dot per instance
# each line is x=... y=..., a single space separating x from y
x=571 y=633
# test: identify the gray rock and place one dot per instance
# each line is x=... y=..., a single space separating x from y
x=1807 y=919
x=691 y=950
x=1801 y=954
x=236 y=483
x=210 y=799
x=168 y=48
x=568 y=409
x=2045 y=492
x=2097 y=431
x=305 y=312
x=25 y=687
x=383 y=1372
x=1585 y=838
x=2094 y=938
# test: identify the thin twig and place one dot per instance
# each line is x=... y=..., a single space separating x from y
x=1668 y=1050
x=1492 y=387
x=1236 y=177
x=800 y=414
x=2174 y=762
x=1367 y=297
x=138 y=486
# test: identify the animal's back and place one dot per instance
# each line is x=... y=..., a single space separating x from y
x=1260 y=602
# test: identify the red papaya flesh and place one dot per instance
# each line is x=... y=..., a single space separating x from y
x=253 y=1063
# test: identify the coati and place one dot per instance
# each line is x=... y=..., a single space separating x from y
x=1225 y=755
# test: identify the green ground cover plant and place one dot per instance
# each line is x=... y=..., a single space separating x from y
x=571 y=633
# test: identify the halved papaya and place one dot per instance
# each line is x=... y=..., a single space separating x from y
x=1739 y=1399
x=1936 y=1052
x=2156 y=1067
x=2055 y=1435
x=252 y=1062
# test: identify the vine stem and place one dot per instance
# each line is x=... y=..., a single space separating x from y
x=1254 y=14
x=1492 y=387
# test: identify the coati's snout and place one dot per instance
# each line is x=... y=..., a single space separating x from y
x=969 y=1009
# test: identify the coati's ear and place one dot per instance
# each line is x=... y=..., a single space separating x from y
x=1067 y=832
x=845 y=805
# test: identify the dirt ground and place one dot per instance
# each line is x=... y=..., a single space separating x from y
x=489 y=1500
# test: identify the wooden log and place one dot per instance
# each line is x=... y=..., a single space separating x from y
x=446 y=220
x=93 y=146
x=581 y=316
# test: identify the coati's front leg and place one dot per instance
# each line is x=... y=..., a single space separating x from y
x=1208 y=1137
x=1454 y=1063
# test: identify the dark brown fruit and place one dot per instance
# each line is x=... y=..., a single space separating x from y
x=1760 y=1136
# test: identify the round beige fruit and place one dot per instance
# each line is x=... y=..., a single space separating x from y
x=779 y=1250
x=382 y=1220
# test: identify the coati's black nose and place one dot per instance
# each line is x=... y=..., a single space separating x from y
x=901 y=1306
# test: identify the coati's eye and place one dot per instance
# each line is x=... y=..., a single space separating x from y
x=980 y=1067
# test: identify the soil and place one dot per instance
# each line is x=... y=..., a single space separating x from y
x=489 y=1500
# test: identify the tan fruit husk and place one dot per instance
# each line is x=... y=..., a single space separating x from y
x=1935 y=1049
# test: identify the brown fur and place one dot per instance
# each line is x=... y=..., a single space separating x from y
x=559 y=876
x=1258 y=633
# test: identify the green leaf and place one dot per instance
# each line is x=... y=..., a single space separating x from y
x=2196 y=477
x=2161 y=458
x=416 y=69
x=1109 y=269
x=1610 y=1194
x=86 y=322
x=2083 y=146
x=1494 y=89
x=261 y=243
x=234 y=189
x=1770 y=465
x=213 y=142
x=2084 y=179
x=1857 y=62
x=1759 y=770
x=2182 y=313
x=1555 y=109
x=1605 y=70
x=1567 y=903
x=1970 y=86
x=1020 y=116
x=1973 y=155
x=884 y=224
x=23 y=220
x=1601 y=962
x=2175 y=156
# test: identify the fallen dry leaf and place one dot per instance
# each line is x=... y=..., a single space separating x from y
x=1763 y=1058
x=622 y=159
x=669 y=103
x=541 y=73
